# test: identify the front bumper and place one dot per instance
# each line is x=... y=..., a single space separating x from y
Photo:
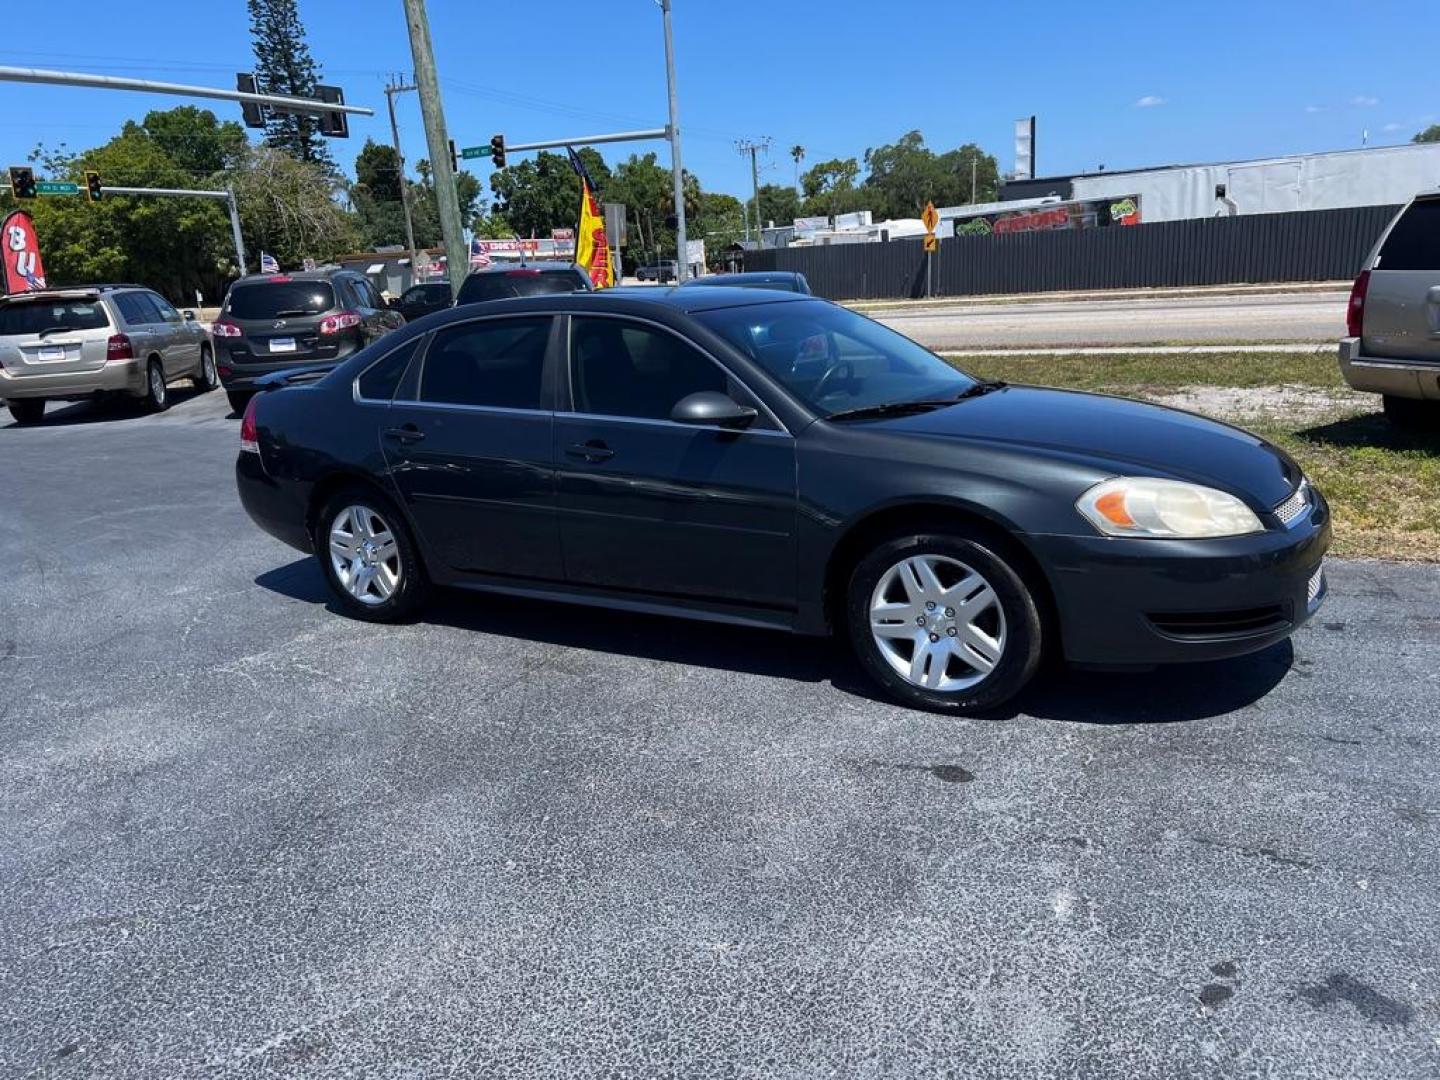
x=1417 y=379
x=121 y=377
x=1124 y=601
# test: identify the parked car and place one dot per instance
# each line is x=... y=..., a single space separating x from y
x=271 y=322
x=1392 y=342
x=661 y=271
x=424 y=299
x=781 y=280
x=781 y=461
x=71 y=344
x=536 y=279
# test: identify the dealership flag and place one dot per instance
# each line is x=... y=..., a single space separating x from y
x=268 y=265
x=23 y=270
x=592 y=248
x=479 y=254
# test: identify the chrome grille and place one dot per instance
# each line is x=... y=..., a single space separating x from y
x=1295 y=505
x=1317 y=582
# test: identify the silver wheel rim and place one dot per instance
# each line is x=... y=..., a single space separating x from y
x=364 y=555
x=157 y=384
x=207 y=364
x=938 y=623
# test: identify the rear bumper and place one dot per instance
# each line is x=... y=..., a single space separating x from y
x=1142 y=602
x=1397 y=378
x=241 y=373
x=280 y=511
x=122 y=377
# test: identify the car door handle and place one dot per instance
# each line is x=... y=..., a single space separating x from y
x=408 y=433
x=594 y=450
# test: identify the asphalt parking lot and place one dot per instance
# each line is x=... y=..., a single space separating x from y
x=243 y=836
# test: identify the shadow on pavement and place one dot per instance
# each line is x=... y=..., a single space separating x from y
x=1371 y=429
x=1168 y=695
x=104 y=410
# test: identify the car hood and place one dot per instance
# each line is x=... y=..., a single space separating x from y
x=1119 y=436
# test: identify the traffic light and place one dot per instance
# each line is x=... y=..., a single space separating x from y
x=497 y=150
x=335 y=125
x=250 y=111
x=454 y=157
x=22 y=182
x=92 y=185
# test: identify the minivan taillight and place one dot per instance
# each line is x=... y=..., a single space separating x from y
x=249 y=436
x=224 y=329
x=118 y=348
x=341 y=320
x=1355 y=312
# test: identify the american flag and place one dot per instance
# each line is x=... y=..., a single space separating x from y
x=479 y=254
x=268 y=264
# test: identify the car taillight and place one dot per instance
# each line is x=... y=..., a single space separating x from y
x=118 y=348
x=1355 y=312
x=225 y=329
x=249 y=436
x=341 y=320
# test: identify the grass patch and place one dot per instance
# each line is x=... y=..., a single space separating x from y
x=1383 y=484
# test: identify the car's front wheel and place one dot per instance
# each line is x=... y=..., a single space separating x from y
x=369 y=557
x=944 y=622
x=28 y=410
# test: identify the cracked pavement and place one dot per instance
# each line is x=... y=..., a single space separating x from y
x=243 y=836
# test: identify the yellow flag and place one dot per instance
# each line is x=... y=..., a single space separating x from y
x=592 y=247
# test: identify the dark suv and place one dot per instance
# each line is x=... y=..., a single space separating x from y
x=537 y=279
x=275 y=321
x=424 y=299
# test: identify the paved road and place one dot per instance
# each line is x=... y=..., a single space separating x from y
x=241 y=836
x=1288 y=317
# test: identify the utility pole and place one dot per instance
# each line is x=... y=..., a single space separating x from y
x=397 y=86
x=972 y=178
x=752 y=147
x=677 y=171
x=442 y=168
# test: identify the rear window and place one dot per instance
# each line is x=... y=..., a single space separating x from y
x=274 y=299
x=479 y=287
x=35 y=316
x=1414 y=242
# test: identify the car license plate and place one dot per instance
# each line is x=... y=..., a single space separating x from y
x=282 y=344
x=49 y=354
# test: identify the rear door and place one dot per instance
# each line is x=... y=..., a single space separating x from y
x=53 y=335
x=471 y=456
x=179 y=340
x=1402 y=304
x=143 y=324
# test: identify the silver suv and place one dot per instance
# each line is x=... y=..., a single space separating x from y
x=69 y=344
x=1392 y=345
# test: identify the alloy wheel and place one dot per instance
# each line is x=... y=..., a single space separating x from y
x=937 y=622
x=365 y=555
x=157 y=385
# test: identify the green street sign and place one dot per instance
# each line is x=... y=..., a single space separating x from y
x=470 y=152
x=56 y=187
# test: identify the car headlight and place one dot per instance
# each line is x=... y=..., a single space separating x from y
x=1146 y=506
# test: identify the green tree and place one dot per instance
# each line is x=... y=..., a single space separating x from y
x=192 y=138
x=287 y=208
x=829 y=187
x=778 y=203
x=543 y=193
x=283 y=65
x=1430 y=134
x=377 y=170
x=905 y=175
x=720 y=221
x=956 y=164
x=797 y=152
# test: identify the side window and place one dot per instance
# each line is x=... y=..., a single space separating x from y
x=620 y=368
x=344 y=291
x=414 y=295
x=382 y=378
x=1414 y=242
x=368 y=294
x=498 y=362
x=167 y=312
x=134 y=310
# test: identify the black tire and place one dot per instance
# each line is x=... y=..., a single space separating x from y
x=1023 y=638
x=413 y=588
x=238 y=400
x=157 y=394
x=1412 y=414
x=28 y=411
x=207 y=378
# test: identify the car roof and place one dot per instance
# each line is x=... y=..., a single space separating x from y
x=543 y=267
x=639 y=300
x=72 y=292
x=751 y=275
x=296 y=275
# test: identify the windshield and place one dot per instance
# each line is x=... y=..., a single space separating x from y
x=268 y=299
x=36 y=316
x=508 y=283
x=833 y=359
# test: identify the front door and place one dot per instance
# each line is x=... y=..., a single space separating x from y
x=471 y=457
x=658 y=508
x=181 y=348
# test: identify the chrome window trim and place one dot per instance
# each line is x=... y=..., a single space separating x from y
x=569 y=372
x=650 y=421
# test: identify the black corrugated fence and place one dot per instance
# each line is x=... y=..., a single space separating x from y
x=1309 y=245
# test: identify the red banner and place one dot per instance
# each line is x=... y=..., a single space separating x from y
x=20 y=248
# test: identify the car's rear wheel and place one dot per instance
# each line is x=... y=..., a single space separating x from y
x=28 y=410
x=157 y=394
x=943 y=621
x=207 y=378
x=369 y=557
x=238 y=400
x=1412 y=414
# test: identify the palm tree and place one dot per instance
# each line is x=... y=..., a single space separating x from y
x=798 y=153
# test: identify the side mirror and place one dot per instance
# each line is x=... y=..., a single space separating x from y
x=189 y=315
x=712 y=407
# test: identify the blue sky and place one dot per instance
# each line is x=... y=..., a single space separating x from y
x=1119 y=85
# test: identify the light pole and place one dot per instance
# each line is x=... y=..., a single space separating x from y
x=677 y=171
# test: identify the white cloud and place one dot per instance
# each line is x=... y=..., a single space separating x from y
x=1314 y=108
x=1393 y=127
x=1364 y=101
x=1149 y=101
